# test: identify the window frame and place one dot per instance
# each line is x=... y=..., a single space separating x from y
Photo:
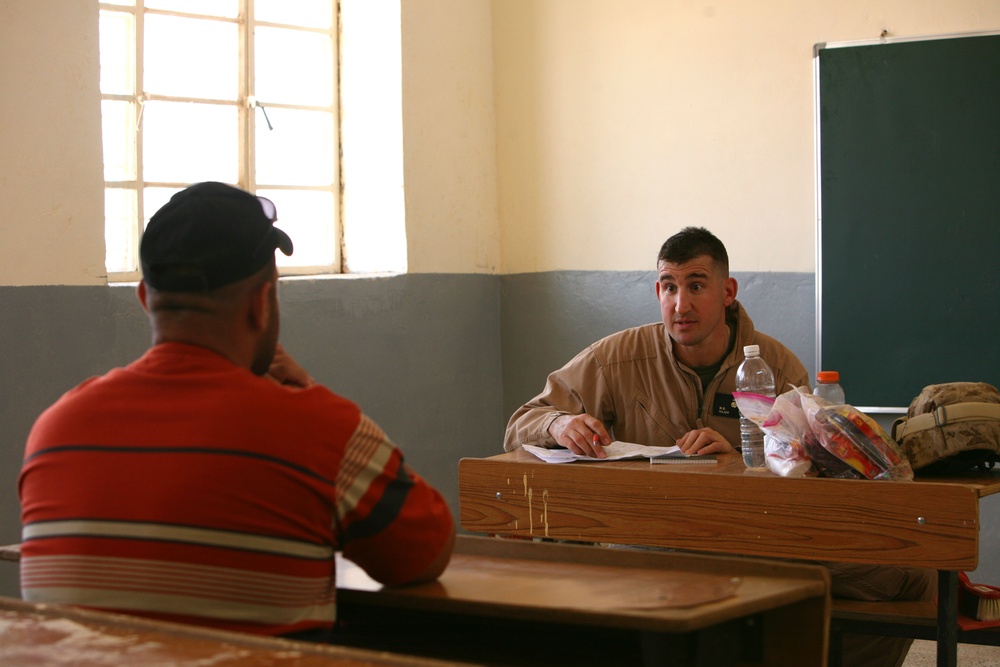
x=247 y=107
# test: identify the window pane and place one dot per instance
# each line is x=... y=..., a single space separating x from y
x=293 y=67
x=118 y=131
x=117 y=40
x=307 y=217
x=120 y=235
x=298 y=151
x=225 y=8
x=308 y=13
x=187 y=142
x=123 y=3
x=191 y=58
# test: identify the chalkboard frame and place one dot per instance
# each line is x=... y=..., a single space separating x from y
x=895 y=366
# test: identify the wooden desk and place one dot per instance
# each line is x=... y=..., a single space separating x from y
x=530 y=603
x=33 y=634
x=505 y=602
x=10 y=552
x=726 y=508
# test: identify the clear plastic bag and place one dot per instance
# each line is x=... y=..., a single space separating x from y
x=807 y=434
x=855 y=439
x=785 y=429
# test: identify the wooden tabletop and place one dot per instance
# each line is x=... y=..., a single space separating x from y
x=519 y=579
x=33 y=634
x=587 y=585
x=489 y=583
x=726 y=508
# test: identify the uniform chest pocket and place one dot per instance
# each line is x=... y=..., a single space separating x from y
x=650 y=424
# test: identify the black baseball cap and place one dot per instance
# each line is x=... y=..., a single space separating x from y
x=207 y=236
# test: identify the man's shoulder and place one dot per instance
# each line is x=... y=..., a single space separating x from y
x=767 y=342
x=129 y=387
x=318 y=399
x=780 y=357
x=632 y=344
x=89 y=390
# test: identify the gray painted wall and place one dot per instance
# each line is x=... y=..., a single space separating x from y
x=440 y=361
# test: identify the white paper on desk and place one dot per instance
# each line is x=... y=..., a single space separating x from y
x=616 y=451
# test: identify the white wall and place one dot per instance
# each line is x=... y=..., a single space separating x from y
x=538 y=134
x=449 y=140
x=51 y=174
x=618 y=122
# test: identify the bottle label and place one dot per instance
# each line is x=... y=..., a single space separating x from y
x=724 y=405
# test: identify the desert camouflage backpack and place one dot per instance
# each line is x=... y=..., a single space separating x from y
x=951 y=427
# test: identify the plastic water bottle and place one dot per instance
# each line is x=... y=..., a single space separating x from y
x=756 y=377
x=828 y=387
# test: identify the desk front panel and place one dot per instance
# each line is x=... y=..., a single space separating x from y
x=723 y=508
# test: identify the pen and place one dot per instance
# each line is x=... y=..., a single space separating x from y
x=598 y=447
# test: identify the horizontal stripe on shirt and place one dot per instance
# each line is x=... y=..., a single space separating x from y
x=180 y=588
x=173 y=533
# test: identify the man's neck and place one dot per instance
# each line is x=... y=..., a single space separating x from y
x=709 y=352
x=217 y=337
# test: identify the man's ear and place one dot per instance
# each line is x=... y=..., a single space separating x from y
x=141 y=293
x=259 y=311
x=730 y=287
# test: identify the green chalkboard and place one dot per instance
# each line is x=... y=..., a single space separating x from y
x=908 y=282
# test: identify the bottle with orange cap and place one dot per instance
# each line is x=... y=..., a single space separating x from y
x=828 y=386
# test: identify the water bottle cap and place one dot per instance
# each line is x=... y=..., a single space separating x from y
x=828 y=377
x=751 y=350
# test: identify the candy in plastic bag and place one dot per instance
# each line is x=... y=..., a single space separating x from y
x=855 y=439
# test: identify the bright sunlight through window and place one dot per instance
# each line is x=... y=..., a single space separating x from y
x=197 y=90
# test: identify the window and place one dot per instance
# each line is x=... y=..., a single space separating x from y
x=238 y=91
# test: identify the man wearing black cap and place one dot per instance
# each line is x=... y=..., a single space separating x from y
x=211 y=481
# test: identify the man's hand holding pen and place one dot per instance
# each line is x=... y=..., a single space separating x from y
x=581 y=434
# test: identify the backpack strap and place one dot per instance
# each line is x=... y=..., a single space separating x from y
x=944 y=415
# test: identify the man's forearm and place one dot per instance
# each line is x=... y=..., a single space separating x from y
x=530 y=426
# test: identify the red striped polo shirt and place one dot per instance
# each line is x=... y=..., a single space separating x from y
x=186 y=488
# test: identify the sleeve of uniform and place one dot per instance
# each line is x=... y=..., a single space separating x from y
x=788 y=370
x=392 y=523
x=577 y=387
x=795 y=374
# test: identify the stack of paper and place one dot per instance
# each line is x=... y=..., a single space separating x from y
x=616 y=451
